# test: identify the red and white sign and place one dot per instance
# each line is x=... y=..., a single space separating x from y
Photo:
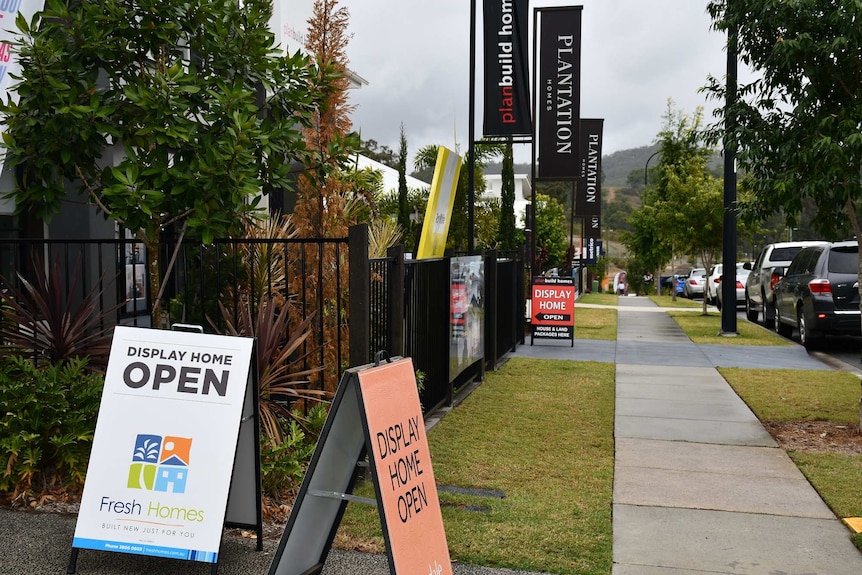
x=552 y=308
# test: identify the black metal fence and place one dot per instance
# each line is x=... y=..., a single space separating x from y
x=212 y=285
x=412 y=315
x=360 y=306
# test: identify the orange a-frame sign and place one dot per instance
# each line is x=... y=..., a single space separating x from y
x=401 y=463
x=376 y=411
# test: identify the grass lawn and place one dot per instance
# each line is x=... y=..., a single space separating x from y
x=541 y=432
x=704 y=329
x=668 y=301
x=797 y=395
x=598 y=299
x=595 y=323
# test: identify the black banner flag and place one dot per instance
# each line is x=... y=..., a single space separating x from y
x=588 y=201
x=559 y=93
x=507 y=77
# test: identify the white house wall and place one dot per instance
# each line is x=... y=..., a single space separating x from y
x=523 y=192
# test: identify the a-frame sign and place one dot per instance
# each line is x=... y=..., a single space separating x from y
x=376 y=411
x=175 y=455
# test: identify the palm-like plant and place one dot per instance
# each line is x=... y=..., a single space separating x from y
x=43 y=320
x=282 y=363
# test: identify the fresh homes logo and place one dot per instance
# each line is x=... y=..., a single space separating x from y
x=160 y=464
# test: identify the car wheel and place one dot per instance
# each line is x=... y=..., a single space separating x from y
x=751 y=314
x=768 y=312
x=807 y=336
x=780 y=328
x=718 y=303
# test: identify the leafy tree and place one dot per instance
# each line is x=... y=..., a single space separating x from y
x=487 y=220
x=191 y=95
x=797 y=126
x=506 y=232
x=683 y=210
x=693 y=211
x=379 y=153
x=551 y=232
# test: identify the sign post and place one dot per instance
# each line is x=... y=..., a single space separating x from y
x=166 y=442
x=376 y=411
x=553 y=309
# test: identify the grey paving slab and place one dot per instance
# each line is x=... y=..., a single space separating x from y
x=663 y=373
x=708 y=541
x=672 y=429
x=719 y=491
x=710 y=391
x=746 y=461
x=660 y=353
x=650 y=570
x=583 y=350
x=730 y=409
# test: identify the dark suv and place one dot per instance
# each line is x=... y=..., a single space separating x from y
x=819 y=293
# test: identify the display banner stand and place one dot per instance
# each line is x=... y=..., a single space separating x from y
x=376 y=412
x=176 y=455
x=552 y=309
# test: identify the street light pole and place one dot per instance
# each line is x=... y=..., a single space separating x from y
x=646 y=166
x=728 y=253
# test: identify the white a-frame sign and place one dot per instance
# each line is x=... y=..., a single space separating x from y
x=376 y=411
x=175 y=455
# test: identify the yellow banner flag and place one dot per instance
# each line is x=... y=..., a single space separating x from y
x=438 y=214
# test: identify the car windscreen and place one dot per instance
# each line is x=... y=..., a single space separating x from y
x=844 y=260
x=784 y=254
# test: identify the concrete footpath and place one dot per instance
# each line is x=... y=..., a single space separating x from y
x=699 y=486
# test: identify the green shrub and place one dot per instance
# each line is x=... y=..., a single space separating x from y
x=47 y=424
x=284 y=460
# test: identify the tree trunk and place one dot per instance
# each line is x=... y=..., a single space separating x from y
x=854 y=222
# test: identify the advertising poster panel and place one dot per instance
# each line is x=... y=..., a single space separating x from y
x=467 y=312
x=407 y=492
x=166 y=437
x=506 y=71
x=553 y=308
x=559 y=93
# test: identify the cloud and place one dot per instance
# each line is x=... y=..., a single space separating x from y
x=635 y=55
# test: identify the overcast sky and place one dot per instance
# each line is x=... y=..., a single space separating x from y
x=635 y=55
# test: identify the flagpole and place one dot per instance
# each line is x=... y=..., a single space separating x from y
x=471 y=131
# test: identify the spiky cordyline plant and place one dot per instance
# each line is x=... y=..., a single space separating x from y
x=41 y=319
x=282 y=375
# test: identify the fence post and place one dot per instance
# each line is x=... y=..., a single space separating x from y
x=521 y=322
x=396 y=300
x=491 y=311
x=360 y=295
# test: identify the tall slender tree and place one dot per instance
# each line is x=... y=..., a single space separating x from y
x=506 y=235
x=403 y=204
x=322 y=189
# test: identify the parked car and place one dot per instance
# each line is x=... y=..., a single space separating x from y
x=693 y=286
x=819 y=293
x=713 y=281
x=765 y=273
x=741 y=275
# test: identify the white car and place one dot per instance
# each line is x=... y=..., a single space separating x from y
x=695 y=283
x=741 y=276
x=713 y=281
